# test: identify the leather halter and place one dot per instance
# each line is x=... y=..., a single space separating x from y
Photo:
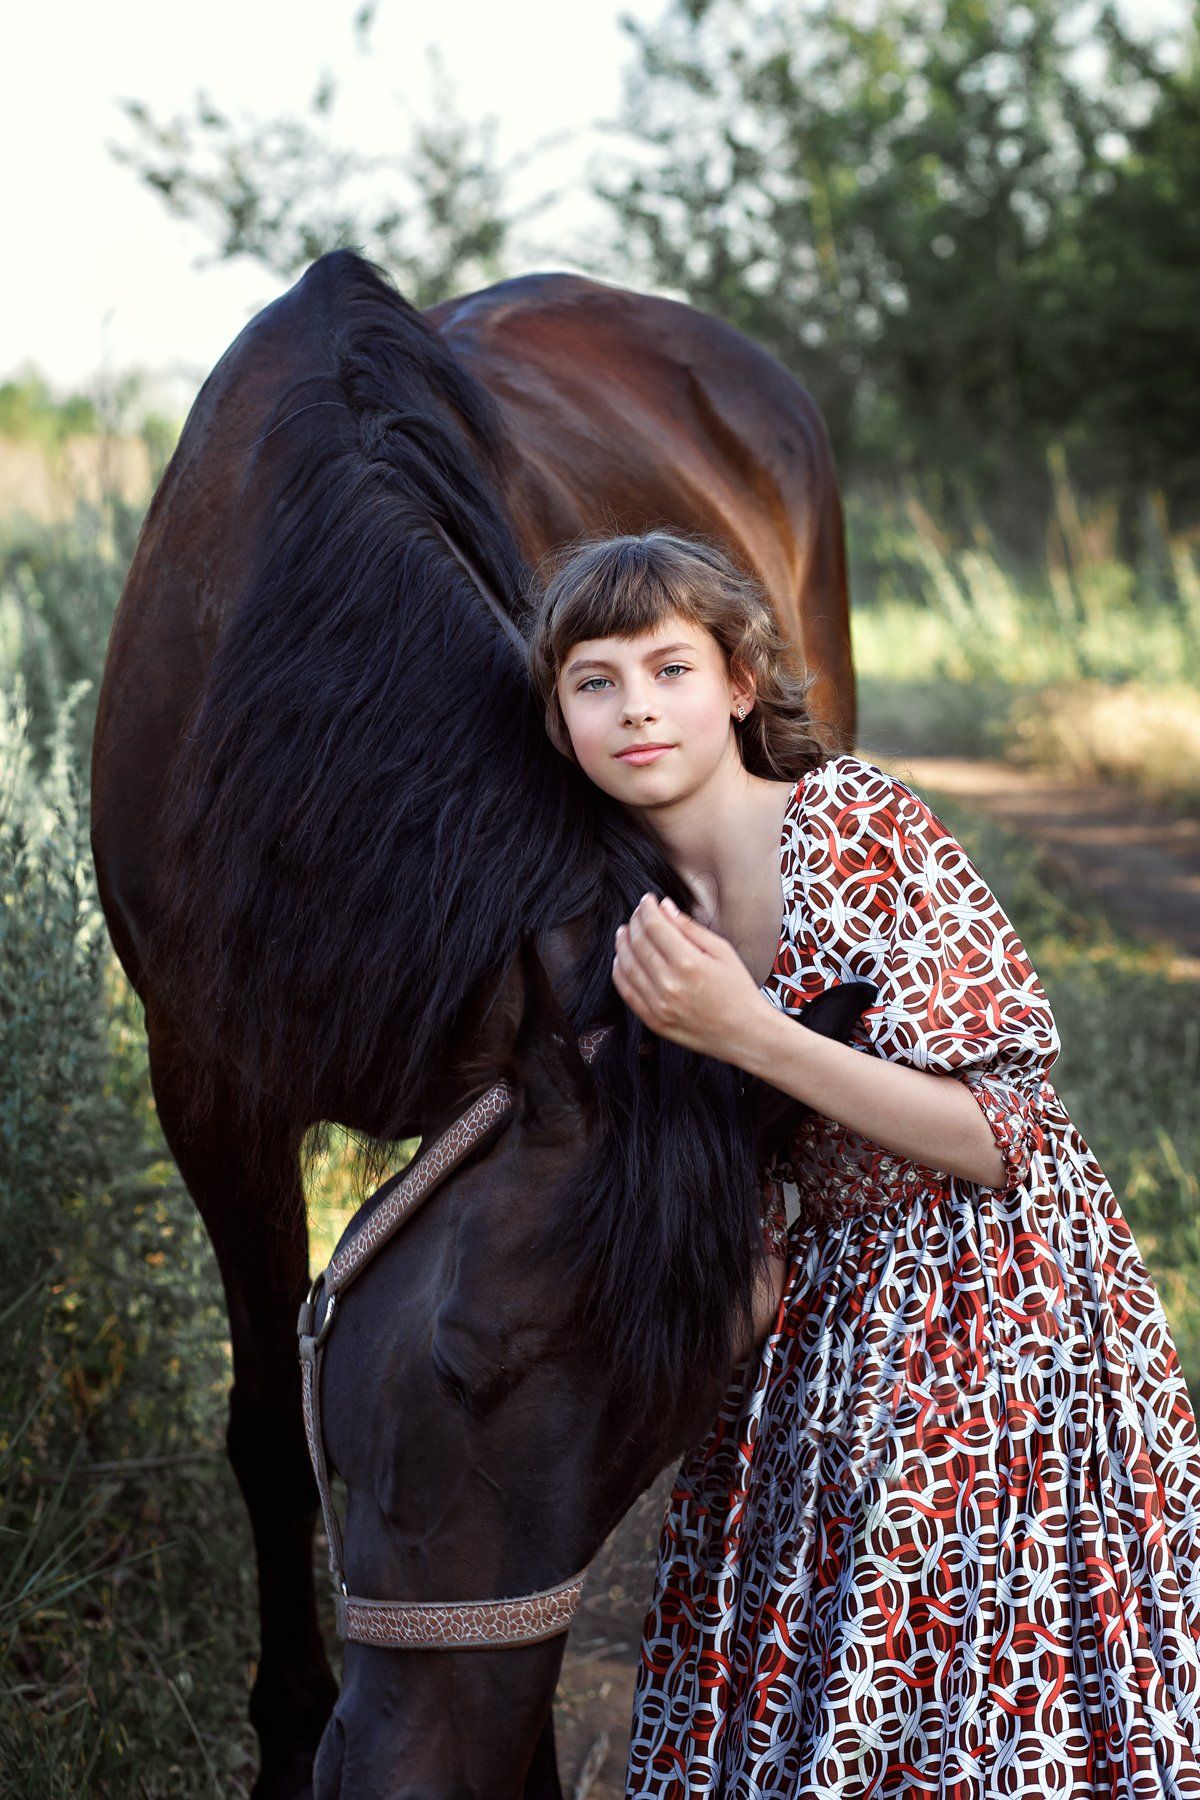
x=418 y=1624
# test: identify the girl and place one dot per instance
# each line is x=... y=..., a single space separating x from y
x=944 y=1536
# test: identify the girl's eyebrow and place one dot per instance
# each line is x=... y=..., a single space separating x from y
x=595 y=662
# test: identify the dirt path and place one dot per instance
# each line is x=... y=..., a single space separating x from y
x=594 y=1703
x=1143 y=866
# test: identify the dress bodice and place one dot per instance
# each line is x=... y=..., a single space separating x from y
x=876 y=888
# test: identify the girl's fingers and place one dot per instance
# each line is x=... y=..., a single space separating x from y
x=671 y=953
x=694 y=931
x=649 y=938
x=631 y=984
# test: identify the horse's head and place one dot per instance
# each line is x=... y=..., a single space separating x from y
x=485 y=1447
x=483 y=1450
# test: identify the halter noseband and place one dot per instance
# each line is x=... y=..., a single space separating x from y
x=418 y=1624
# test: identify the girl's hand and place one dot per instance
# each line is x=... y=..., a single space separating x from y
x=684 y=981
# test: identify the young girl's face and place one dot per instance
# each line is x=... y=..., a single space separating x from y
x=667 y=687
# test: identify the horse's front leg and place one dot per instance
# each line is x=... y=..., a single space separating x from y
x=542 y=1782
x=260 y=1237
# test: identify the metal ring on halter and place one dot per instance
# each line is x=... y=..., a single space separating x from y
x=311 y=1304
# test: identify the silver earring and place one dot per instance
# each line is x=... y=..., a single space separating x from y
x=741 y=712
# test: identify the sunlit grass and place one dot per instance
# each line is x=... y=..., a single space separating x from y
x=331 y=1190
x=1080 y=661
x=1129 y=1069
x=119 y=1515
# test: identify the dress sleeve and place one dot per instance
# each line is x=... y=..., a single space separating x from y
x=958 y=994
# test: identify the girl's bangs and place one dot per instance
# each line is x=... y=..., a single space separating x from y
x=603 y=608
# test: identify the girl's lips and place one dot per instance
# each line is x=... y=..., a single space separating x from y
x=648 y=755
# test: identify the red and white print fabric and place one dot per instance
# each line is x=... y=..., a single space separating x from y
x=943 y=1538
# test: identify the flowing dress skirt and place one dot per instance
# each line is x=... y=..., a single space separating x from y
x=944 y=1537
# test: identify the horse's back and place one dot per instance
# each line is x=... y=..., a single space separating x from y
x=616 y=411
x=628 y=410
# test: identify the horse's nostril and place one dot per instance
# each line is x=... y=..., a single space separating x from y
x=330 y=1761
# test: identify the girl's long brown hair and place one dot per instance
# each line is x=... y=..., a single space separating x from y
x=620 y=586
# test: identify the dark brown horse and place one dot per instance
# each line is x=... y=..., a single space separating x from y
x=325 y=815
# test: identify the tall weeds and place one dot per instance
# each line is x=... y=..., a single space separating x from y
x=119 y=1516
x=115 y=1369
x=1083 y=658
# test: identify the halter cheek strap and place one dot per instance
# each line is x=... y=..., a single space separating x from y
x=417 y=1624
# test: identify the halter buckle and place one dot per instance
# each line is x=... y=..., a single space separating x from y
x=310 y=1341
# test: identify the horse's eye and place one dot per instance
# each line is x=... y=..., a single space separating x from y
x=453 y=1384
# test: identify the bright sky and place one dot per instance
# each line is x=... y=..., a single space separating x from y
x=101 y=277
x=107 y=278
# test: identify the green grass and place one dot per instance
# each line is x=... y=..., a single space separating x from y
x=119 y=1515
x=1129 y=1069
x=1080 y=661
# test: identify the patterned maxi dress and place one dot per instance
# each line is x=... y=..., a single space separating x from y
x=943 y=1538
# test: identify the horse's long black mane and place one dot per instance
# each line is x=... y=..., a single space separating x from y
x=365 y=812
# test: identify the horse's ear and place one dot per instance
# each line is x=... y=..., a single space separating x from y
x=555 y=1090
x=519 y=1033
x=834 y=1014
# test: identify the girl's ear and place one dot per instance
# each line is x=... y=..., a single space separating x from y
x=742 y=683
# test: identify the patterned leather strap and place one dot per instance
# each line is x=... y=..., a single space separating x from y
x=458 y=1625
x=417 y=1624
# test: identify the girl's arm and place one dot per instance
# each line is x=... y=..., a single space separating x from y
x=934 y=1120
x=894 y=899
x=689 y=984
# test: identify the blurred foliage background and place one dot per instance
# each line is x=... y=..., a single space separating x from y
x=974 y=231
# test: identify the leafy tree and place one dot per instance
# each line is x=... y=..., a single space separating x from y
x=1122 y=305
x=887 y=201
x=970 y=227
x=284 y=192
x=30 y=410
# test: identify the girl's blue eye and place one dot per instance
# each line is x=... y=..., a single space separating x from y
x=585 y=686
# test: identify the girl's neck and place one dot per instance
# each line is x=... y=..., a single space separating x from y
x=722 y=840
